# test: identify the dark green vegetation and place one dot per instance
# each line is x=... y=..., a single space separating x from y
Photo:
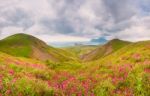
x=118 y=68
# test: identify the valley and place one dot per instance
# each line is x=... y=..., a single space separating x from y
x=30 y=67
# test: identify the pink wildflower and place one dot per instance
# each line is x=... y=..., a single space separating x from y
x=11 y=72
x=92 y=94
x=8 y=92
x=14 y=80
x=136 y=56
x=147 y=70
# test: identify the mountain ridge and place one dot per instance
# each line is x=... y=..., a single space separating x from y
x=104 y=50
x=25 y=45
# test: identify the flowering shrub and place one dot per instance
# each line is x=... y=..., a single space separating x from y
x=115 y=75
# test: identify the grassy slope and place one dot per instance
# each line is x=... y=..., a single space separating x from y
x=128 y=53
x=80 y=49
x=16 y=45
x=23 y=44
x=22 y=77
x=125 y=72
x=105 y=50
x=18 y=77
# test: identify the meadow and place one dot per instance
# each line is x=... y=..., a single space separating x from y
x=118 y=68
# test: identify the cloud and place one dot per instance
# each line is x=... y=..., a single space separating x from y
x=15 y=17
x=64 y=38
x=124 y=19
x=120 y=10
x=139 y=30
x=6 y=31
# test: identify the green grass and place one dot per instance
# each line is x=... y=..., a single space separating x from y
x=80 y=49
x=117 y=44
x=124 y=72
x=21 y=45
x=16 y=45
x=104 y=50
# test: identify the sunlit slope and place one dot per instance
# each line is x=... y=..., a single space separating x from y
x=20 y=76
x=23 y=45
x=125 y=72
x=105 y=50
x=134 y=53
x=79 y=50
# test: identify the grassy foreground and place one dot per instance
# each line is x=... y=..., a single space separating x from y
x=125 y=72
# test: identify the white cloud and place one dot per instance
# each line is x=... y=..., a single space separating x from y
x=125 y=19
x=62 y=38
x=10 y=31
x=139 y=30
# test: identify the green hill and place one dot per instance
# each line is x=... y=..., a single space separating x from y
x=104 y=50
x=79 y=50
x=124 y=72
x=23 y=45
x=134 y=52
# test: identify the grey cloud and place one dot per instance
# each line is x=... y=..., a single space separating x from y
x=16 y=17
x=88 y=18
x=144 y=4
x=59 y=25
x=120 y=9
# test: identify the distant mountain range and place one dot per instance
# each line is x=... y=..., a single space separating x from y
x=100 y=40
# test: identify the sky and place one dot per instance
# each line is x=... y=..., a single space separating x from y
x=76 y=20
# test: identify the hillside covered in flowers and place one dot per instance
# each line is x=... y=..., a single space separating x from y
x=117 y=68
